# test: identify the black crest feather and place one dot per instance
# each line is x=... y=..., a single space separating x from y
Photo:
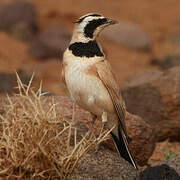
x=93 y=15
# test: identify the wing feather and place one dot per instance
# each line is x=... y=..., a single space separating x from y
x=107 y=76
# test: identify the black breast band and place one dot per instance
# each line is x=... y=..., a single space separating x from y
x=89 y=49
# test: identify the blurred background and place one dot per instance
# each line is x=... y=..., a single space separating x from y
x=35 y=33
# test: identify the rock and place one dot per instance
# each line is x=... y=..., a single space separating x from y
x=51 y=79
x=161 y=172
x=174 y=163
x=104 y=164
x=155 y=96
x=19 y=18
x=141 y=134
x=169 y=170
x=128 y=34
x=8 y=81
x=51 y=43
x=169 y=61
x=142 y=137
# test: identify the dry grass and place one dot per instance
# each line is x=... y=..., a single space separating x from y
x=35 y=143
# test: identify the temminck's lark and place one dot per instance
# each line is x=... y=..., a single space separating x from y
x=91 y=81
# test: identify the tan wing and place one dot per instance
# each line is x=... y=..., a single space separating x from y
x=107 y=76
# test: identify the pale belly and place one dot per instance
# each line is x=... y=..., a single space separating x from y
x=88 y=91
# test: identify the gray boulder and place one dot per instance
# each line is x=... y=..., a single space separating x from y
x=161 y=172
x=155 y=96
x=8 y=81
x=19 y=18
x=128 y=34
x=104 y=165
x=174 y=163
x=50 y=43
x=169 y=61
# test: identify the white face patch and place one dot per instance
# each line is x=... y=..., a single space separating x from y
x=81 y=26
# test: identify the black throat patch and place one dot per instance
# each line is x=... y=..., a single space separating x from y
x=92 y=25
x=89 y=49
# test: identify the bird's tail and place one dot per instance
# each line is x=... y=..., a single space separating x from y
x=121 y=143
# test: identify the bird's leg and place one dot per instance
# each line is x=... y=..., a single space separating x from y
x=104 y=120
x=94 y=117
x=73 y=114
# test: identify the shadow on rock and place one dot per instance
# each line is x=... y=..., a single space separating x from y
x=161 y=172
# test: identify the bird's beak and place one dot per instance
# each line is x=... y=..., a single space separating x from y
x=111 y=21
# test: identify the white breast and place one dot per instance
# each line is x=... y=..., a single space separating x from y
x=87 y=91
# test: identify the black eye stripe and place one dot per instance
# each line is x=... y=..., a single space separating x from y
x=92 y=25
x=90 y=15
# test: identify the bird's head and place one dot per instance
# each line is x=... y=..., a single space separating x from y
x=90 y=25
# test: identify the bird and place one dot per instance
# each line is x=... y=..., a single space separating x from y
x=91 y=82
